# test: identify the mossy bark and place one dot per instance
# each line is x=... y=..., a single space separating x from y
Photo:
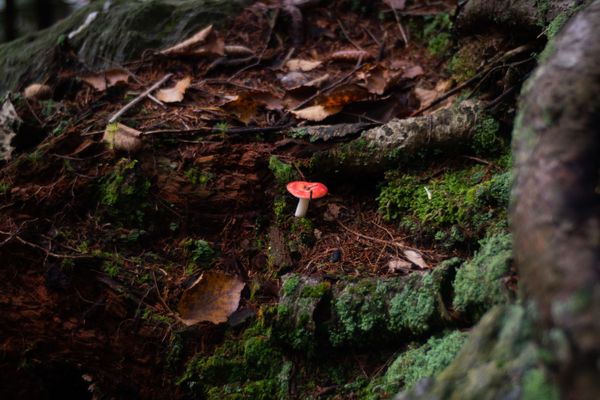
x=555 y=211
x=120 y=34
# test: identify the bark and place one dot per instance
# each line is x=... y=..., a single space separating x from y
x=555 y=214
x=510 y=15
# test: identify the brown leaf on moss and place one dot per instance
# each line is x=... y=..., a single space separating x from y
x=103 y=80
x=213 y=298
x=174 y=94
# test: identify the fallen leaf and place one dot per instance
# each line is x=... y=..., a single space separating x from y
x=425 y=96
x=416 y=258
x=245 y=105
x=203 y=42
x=213 y=298
x=316 y=113
x=378 y=79
x=103 y=80
x=332 y=103
x=121 y=137
x=396 y=4
x=412 y=72
x=37 y=91
x=399 y=265
x=174 y=94
x=296 y=64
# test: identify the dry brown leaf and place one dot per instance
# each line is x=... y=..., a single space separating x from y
x=103 y=80
x=37 y=91
x=203 y=42
x=416 y=258
x=213 y=298
x=316 y=113
x=332 y=103
x=296 y=64
x=121 y=137
x=412 y=72
x=378 y=79
x=350 y=55
x=399 y=265
x=425 y=96
x=175 y=93
x=244 y=105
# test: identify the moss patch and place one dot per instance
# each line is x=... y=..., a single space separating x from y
x=420 y=362
x=452 y=208
x=479 y=283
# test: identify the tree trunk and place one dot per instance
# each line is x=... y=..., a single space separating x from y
x=555 y=212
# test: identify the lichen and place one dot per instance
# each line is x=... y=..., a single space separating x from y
x=479 y=283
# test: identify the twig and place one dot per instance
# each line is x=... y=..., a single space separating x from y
x=400 y=27
x=164 y=303
x=386 y=242
x=48 y=252
x=491 y=67
x=251 y=129
x=139 y=98
x=348 y=37
x=262 y=53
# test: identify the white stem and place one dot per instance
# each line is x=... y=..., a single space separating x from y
x=302 y=207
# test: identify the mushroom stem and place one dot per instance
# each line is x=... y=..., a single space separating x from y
x=302 y=207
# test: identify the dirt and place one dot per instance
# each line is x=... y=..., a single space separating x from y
x=68 y=319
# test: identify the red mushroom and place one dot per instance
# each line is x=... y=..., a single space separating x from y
x=305 y=191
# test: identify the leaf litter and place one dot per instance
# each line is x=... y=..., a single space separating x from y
x=203 y=166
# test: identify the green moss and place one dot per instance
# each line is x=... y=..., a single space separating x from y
x=462 y=66
x=413 y=309
x=437 y=33
x=247 y=367
x=4 y=187
x=424 y=361
x=124 y=192
x=290 y=283
x=284 y=173
x=536 y=386
x=317 y=291
x=486 y=140
x=450 y=208
x=479 y=283
x=197 y=177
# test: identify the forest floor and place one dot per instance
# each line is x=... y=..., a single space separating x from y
x=106 y=226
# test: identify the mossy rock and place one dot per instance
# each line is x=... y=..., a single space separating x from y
x=499 y=360
x=118 y=35
x=479 y=283
x=296 y=321
x=367 y=313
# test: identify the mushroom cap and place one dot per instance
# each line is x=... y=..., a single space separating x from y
x=303 y=190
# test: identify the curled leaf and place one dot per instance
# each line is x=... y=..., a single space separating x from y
x=37 y=91
x=416 y=258
x=103 y=80
x=350 y=55
x=175 y=93
x=316 y=113
x=213 y=298
x=121 y=137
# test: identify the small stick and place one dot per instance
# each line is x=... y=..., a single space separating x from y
x=404 y=37
x=139 y=98
x=348 y=37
